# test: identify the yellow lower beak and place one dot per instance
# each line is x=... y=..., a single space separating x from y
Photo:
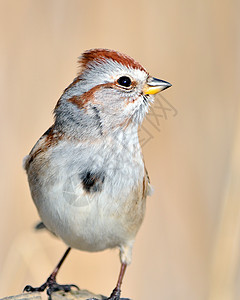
x=154 y=86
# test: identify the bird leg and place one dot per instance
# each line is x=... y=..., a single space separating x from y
x=117 y=291
x=51 y=284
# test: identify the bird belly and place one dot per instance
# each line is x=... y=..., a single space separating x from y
x=90 y=206
x=90 y=221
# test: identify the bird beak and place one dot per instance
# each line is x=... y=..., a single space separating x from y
x=154 y=86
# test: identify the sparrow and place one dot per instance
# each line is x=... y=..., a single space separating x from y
x=86 y=173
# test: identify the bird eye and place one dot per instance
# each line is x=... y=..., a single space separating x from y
x=124 y=81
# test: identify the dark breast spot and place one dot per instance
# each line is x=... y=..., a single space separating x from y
x=92 y=182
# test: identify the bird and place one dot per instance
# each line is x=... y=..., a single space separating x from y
x=86 y=173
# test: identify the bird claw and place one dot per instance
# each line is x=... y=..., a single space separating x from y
x=29 y=288
x=52 y=286
x=55 y=287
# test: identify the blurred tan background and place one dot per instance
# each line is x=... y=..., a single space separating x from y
x=188 y=247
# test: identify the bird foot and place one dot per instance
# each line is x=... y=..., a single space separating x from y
x=51 y=286
x=116 y=295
